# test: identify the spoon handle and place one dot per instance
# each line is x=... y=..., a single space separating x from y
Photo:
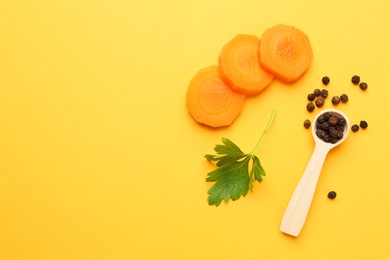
x=295 y=215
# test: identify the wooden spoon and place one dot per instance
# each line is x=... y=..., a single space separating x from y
x=295 y=215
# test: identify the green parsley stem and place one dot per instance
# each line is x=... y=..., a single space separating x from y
x=265 y=131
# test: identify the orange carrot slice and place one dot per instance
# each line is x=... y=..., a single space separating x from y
x=211 y=101
x=285 y=51
x=239 y=65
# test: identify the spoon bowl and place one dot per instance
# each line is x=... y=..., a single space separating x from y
x=296 y=212
x=318 y=140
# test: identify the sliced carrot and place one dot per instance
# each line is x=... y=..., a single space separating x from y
x=239 y=65
x=211 y=101
x=285 y=51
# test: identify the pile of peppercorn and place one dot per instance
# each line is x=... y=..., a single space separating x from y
x=330 y=127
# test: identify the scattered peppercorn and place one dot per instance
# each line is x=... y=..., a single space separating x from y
x=355 y=128
x=317 y=92
x=325 y=80
x=332 y=195
x=363 y=124
x=328 y=128
x=344 y=98
x=311 y=97
x=320 y=102
x=324 y=93
x=335 y=100
x=307 y=123
x=363 y=86
x=355 y=79
x=310 y=107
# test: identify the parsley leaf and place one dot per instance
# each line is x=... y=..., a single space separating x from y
x=232 y=177
x=229 y=152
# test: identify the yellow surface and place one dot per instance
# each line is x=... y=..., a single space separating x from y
x=99 y=158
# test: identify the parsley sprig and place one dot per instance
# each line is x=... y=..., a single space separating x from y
x=236 y=170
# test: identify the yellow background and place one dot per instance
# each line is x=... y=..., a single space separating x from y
x=99 y=158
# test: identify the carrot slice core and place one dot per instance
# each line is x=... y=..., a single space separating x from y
x=216 y=97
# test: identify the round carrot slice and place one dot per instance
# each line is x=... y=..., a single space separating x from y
x=285 y=51
x=211 y=101
x=239 y=65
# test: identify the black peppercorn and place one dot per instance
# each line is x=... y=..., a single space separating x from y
x=326 y=116
x=320 y=102
x=341 y=121
x=325 y=80
x=335 y=100
x=326 y=138
x=332 y=195
x=324 y=125
x=333 y=140
x=355 y=128
x=355 y=79
x=320 y=133
x=363 y=86
x=363 y=124
x=344 y=98
x=333 y=132
x=333 y=120
x=310 y=107
x=324 y=93
x=317 y=92
x=340 y=128
x=311 y=97
x=307 y=123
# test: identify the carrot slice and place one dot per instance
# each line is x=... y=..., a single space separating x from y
x=285 y=51
x=239 y=65
x=211 y=101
